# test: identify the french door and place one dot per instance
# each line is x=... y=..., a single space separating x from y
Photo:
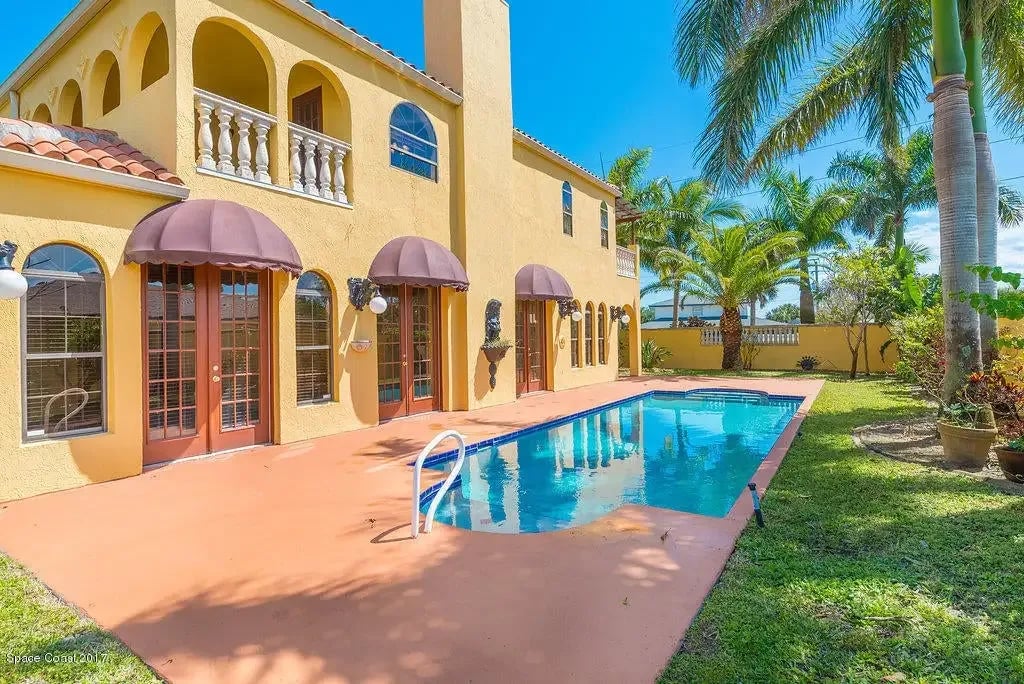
x=407 y=352
x=531 y=338
x=206 y=361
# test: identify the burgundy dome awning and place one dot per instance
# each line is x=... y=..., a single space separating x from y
x=217 y=232
x=418 y=261
x=541 y=283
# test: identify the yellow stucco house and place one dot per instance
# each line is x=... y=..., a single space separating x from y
x=242 y=222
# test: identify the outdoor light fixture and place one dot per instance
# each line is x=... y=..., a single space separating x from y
x=618 y=313
x=12 y=284
x=363 y=293
x=568 y=307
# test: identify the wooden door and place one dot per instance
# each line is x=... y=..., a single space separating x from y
x=206 y=360
x=531 y=341
x=407 y=357
x=308 y=110
x=239 y=359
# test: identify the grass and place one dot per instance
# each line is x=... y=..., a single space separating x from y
x=869 y=570
x=66 y=647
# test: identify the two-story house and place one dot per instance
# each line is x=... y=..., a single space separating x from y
x=242 y=222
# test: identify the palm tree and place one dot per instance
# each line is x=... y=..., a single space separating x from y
x=691 y=207
x=648 y=196
x=874 y=71
x=816 y=216
x=887 y=186
x=734 y=265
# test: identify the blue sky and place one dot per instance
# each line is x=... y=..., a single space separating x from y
x=615 y=59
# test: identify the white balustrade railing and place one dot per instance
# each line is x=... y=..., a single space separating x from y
x=762 y=335
x=317 y=163
x=233 y=140
x=625 y=262
x=236 y=134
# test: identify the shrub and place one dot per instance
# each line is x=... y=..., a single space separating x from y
x=921 y=348
x=652 y=355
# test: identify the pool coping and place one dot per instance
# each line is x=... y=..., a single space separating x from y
x=428 y=494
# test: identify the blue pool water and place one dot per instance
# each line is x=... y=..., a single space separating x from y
x=691 y=452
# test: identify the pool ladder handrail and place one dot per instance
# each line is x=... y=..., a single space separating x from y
x=449 y=481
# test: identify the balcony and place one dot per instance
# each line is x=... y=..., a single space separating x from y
x=625 y=262
x=233 y=140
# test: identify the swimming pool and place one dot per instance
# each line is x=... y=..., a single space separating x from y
x=686 y=451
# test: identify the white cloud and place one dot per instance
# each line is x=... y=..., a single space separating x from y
x=923 y=227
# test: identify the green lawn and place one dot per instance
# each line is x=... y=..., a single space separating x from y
x=869 y=570
x=35 y=624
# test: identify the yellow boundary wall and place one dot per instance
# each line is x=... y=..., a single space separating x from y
x=827 y=343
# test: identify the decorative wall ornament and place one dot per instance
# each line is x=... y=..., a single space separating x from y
x=616 y=312
x=492 y=321
x=494 y=348
x=82 y=66
x=54 y=93
x=361 y=291
x=360 y=346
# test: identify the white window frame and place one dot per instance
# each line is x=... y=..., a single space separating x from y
x=329 y=347
x=39 y=436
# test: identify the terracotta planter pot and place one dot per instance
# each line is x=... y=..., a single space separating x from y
x=495 y=354
x=1012 y=463
x=967 y=447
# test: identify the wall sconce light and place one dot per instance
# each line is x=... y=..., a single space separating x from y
x=363 y=293
x=568 y=307
x=618 y=313
x=12 y=284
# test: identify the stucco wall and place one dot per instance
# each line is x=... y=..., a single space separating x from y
x=36 y=210
x=827 y=343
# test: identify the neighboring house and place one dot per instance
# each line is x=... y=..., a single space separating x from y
x=214 y=291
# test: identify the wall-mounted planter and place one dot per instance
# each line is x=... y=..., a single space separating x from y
x=360 y=346
x=493 y=356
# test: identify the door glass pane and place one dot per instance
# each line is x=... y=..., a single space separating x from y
x=389 y=348
x=535 y=328
x=171 y=356
x=240 y=349
x=520 y=342
x=422 y=343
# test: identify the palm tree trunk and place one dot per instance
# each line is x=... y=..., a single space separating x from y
x=988 y=188
x=956 y=173
x=753 y=313
x=806 y=296
x=732 y=336
x=676 y=291
x=898 y=232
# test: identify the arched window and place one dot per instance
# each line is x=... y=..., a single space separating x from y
x=602 y=353
x=112 y=89
x=413 y=143
x=69 y=108
x=313 y=347
x=156 y=63
x=588 y=334
x=62 y=332
x=566 y=208
x=604 y=224
x=574 y=342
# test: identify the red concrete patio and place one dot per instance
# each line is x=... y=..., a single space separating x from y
x=294 y=564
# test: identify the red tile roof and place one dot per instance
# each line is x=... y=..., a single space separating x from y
x=87 y=146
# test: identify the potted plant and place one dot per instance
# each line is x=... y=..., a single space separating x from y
x=967 y=431
x=495 y=350
x=1011 y=459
